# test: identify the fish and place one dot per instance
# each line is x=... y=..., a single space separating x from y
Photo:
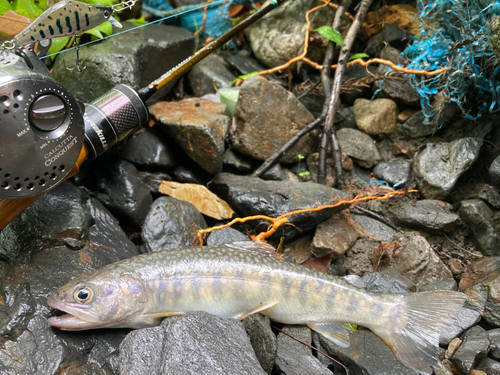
x=65 y=18
x=243 y=278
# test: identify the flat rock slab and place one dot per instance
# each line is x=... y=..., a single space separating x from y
x=377 y=116
x=199 y=126
x=250 y=196
x=432 y=216
x=267 y=116
x=359 y=146
x=171 y=223
x=195 y=343
x=135 y=59
x=438 y=167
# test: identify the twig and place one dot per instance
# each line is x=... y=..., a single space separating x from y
x=461 y=248
x=335 y=93
x=312 y=347
x=335 y=6
x=309 y=90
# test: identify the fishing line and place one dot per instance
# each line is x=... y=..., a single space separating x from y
x=135 y=28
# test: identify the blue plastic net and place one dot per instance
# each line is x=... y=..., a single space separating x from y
x=456 y=34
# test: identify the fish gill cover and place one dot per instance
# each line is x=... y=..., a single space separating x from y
x=456 y=34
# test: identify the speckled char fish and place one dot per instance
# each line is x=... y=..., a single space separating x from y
x=243 y=278
x=65 y=18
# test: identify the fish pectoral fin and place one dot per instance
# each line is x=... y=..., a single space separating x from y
x=243 y=314
x=165 y=314
x=337 y=332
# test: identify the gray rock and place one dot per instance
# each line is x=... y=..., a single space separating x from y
x=130 y=58
x=244 y=62
x=375 y=228
x=186 y=175
x=490 y=195
x=149 y=148
x=119 y=188
x=494 y=172
x=235 y=161
x=494 y=335
x=489 y=366
x=226 y=235
x=358 y=146
x=358 y=257
x=367 y=354
x=198 y=126
x=250 y=196
x=171 y=223
x=478 y=216
x=474 y=346
x=274 y=173
x=492 y=307
x=390 y=35
x=287 y=22
x=263 y=340
x=153 y=180
x=431 y=216
x=195 y=343
x=416 y=260
x=397 y=89
x=393 y=172
x=294 y=358
x=333 y=236
x=415 y=127
x=392 y=54
x=439 y=285
x=267 y=116
x=438 y=167
x=377 y=282
x=375 y=117
x=212 y=68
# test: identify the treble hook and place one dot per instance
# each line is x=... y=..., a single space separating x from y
x=77 y=59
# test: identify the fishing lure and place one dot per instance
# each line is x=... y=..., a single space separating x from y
x=66 y=18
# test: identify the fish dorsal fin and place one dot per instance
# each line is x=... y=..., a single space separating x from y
x=337 y=332
x=254 y=247
x=243 y=314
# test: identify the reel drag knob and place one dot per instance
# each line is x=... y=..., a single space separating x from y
x=47 y=112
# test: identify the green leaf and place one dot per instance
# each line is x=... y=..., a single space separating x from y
x=300 y=157
x=137 y=21
x=331 y=34
x=28 y=7
x=358 y=56
x=58 y=44
x=4 y=7
x=97 y=31
x=107 y=3
x=229 y=97
x=354 y=327
x=42 y=4
x=242 y=77
x=305 y=173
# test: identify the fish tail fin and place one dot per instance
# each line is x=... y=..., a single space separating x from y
x=416 y=321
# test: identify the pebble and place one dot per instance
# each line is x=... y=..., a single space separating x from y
x=376 y=117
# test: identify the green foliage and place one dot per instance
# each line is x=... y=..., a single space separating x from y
x=58 y=44
x=354 y=327
x=27 y=8
x=305 y=173
x=358 y=56
x=242 y=77
x=4 y=7
x=331 y=34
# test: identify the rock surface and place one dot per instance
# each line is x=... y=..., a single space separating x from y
x=263 y=340
x=212 y=69
x=333 y=236
x=376 y=117
x=474 y=346
x=359 y=146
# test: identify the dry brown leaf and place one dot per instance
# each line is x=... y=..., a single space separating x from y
x=321 y=263
x=203 y=199
x=400 y=15
x=385 y=248
x=12 y=23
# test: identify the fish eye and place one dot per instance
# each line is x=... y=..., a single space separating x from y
x=106 y=14
x=84 y=294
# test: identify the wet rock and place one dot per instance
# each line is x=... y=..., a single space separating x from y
x=494 y=172
x=186 y=175
x=375 y=228
x=478 y=216
x=195 y=343
x=359 y=146
x=212 y=68
x=494 y=335
x=390 y=35
x=395 y=172
x=474 y=346
x=60 y=217
x=378 y=282
x=431 y=216
x=298 y=250
x=171 y=223
x=294 y=358
x=438 y=167
x=123 y=192
x=490 y=195
x=153 y=180
x=415 y=127
x=416 y=260
x=333 y=236
x=267 y=116
x=287 y=23
x=263 y=340
x=358 y=257
x=489 y=366
x=366 y=354
x=198 y=126
x=392 y=54
x=235 y=161
x=250 y=196
x=226 y=235
x=439 y=285
x=377 y=116
x=244 y=62
x=130 y=58
x=149 y=148
x=274 y=173
x=398 y=89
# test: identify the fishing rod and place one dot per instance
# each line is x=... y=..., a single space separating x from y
x=46 y=134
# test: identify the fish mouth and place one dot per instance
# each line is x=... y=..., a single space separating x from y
x=69 y=321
